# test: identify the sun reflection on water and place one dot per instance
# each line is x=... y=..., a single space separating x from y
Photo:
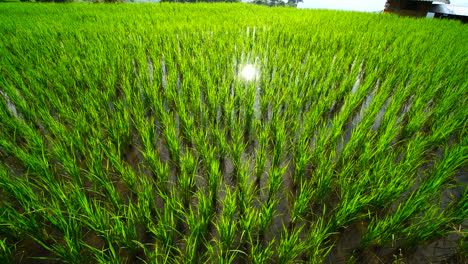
x=249 y=72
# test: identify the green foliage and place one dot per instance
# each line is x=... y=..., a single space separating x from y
x=292 y=3
x=229 y=133
x=200 y=1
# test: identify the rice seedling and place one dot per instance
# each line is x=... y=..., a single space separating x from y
x=155 y=133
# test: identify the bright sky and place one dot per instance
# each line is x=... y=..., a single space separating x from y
x=357 y=5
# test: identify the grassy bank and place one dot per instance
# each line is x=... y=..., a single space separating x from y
x=230 y=133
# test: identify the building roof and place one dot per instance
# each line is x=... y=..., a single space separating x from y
x=450 y=10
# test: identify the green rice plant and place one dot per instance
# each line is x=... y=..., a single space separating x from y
x=187 y=123
x=266 y=213
x=106 y=255
x=160 y=173
x=201 y=225
x=6 y=252
x=97 y=218
x=125 y=231
x=165 y=229
x=302 y=202
x=274 y=184
x=417 y=202
x=323 y=178
x=126 y=173
x=454 y=159
x=19 y=189
x=227 y=228
x=301 y=159
x=279 y=143
x=71 y=249
x=195 y=237
x=172 y=141
x=317 y=241
x=429 y=226
x=237 y=148
x=290 y=246
x=261 y=157
x=187 y=177
x=98 y=176
x=261 y=254
x=248 y=226
x=461 y=247
x=460 y=209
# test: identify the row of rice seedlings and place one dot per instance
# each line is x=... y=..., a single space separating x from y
x=395 y=224
x=5 y=252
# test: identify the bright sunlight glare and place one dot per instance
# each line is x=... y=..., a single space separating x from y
x=248 y=72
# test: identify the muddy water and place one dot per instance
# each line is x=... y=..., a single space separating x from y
x=10 y=105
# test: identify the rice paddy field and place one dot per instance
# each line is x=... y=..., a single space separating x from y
x=231 y=133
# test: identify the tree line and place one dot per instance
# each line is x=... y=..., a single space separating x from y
x=258 y=2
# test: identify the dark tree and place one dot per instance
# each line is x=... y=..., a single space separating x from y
x=277 y=2
x=195 y=1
